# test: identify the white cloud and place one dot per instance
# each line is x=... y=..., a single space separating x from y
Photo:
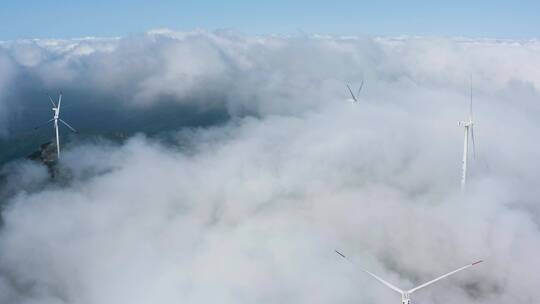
x=263 y=74
x=252 y=210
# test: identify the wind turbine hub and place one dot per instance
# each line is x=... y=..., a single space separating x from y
x=405 y=299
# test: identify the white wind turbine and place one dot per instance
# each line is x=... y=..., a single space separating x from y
x=405 y=294
x=56 y=118
x=469 y=132
x=354 y=98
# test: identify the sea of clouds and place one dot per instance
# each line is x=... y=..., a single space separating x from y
x=250 y=210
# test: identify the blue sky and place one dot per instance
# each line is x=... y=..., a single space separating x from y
x=70 y=19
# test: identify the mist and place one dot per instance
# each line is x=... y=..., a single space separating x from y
x=244 y=167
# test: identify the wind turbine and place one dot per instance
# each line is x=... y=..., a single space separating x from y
x=469 y=132
x=354 y=98
x=405 y=294
x=56 y=118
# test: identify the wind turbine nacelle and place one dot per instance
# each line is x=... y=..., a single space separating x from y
x=405 y=299
x=351 y=100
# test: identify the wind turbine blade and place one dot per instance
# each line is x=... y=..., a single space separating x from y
x=39 y=126
x=59 y=101
x=350 y=91
x=54 y=105
x=360 y=88
x=470 y=105
x=389 y=285
x=472 y=138
x=443 y=276
x=67 y=125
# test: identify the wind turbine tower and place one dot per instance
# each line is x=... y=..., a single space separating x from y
x=469 y=132
x=56 y=118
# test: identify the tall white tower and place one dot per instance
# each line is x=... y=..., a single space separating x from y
x=56 y=118
x=469 y=132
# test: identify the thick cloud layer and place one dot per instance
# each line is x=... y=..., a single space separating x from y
x=250 y=210
x=263 y=74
